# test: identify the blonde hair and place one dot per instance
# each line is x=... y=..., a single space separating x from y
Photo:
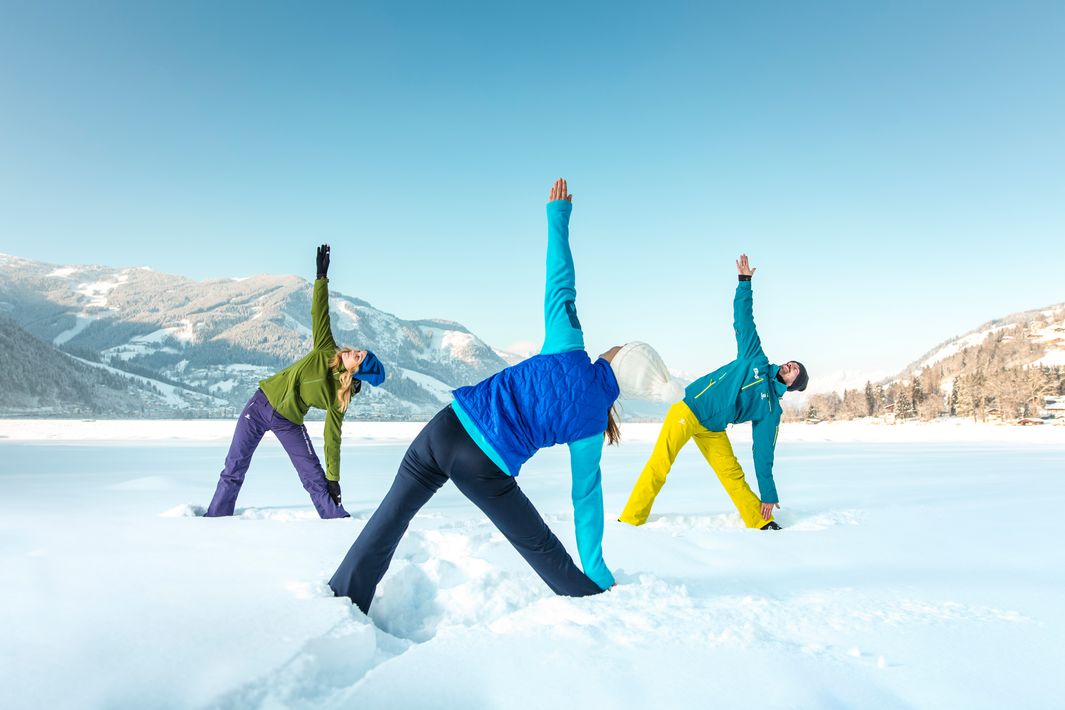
x=344 y=393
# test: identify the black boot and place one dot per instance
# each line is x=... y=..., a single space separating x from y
x=771 y=525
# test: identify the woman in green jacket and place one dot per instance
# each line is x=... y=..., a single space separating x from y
x=326 y=378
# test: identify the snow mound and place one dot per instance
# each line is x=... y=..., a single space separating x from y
x=822 y=521
x=683 y=524
x=790 y=519
x=284 y=515
x=189 y=510
x=185 y=510
x=443 y=578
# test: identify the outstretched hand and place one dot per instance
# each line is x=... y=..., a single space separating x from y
x=743 y=267
x=558 y=191
x=767 y=510
x=322 y=260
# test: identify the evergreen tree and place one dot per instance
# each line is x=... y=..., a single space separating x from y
x=917 y=394
x=871 y=409
x=904 y=403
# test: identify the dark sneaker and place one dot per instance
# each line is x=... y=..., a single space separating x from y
x=771 y=525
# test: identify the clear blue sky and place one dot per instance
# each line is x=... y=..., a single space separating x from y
x=896 y=171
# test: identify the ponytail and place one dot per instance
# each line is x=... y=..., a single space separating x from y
x=346 y=378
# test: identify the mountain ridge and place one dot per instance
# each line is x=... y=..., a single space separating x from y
x=222 y=336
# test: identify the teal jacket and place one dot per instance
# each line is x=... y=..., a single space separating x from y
x=745 y=390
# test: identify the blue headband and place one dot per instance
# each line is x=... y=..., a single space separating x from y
x=371 y=370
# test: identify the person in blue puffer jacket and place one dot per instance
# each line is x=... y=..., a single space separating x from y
x=481 y=440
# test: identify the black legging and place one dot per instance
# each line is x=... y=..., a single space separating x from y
x=444 y=450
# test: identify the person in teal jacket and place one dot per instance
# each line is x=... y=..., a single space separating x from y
x=481 y=440
x=748 y=389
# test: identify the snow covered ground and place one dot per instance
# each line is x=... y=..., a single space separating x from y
x=920 y=567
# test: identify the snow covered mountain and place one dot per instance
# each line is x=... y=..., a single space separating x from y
x=1025 y=339
x=205 y=344
x=36 y=379
x=1028 y=338
x=1005 y=369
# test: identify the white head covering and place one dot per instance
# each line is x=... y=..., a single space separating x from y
x=642 y=374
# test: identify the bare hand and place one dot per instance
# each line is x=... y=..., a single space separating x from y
x=558 y=191
x=743 y=267
x=767 y=510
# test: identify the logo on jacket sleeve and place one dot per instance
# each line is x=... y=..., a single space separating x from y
x=571 y=311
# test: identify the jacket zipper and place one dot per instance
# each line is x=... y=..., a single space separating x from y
x=760 y=379
x=712 y=383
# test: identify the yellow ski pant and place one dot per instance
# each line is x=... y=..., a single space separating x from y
x=680 y=426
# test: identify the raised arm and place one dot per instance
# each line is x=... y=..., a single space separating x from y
x=562 y=329
x=748 y=343
x=587 y=495
x=323 y=333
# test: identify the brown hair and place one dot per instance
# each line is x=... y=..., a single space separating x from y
x=344 y=393
x=613 y=431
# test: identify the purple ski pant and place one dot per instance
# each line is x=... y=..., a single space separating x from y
x=258 y=418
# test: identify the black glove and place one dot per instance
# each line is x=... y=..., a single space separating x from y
x=323 y=261
x=334 y=490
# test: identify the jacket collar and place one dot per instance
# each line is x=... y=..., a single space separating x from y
x=779 y=388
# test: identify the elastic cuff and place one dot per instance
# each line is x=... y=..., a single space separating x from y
x=745 y=277
x=604 y=582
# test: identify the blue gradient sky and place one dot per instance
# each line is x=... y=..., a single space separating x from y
x=894 y=170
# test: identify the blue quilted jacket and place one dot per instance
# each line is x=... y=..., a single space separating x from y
x=551 y=398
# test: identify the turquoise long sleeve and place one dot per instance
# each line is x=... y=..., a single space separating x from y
x=588 y=508
x=562 y=330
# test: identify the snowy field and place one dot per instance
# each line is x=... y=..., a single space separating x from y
x=920 y=567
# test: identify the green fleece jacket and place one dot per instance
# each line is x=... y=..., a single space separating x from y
x=310 y=382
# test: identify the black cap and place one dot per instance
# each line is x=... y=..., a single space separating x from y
x=801 y=380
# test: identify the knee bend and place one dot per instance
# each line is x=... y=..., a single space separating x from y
x=543 y=541
x=732 y=471
x=655 y=472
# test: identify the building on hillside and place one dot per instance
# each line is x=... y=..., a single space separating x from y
x=1054 y=407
